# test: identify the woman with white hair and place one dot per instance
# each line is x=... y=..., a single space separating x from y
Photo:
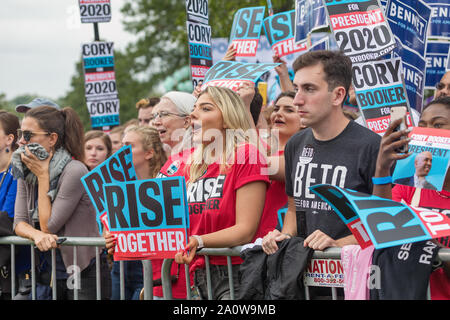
x=171 y=118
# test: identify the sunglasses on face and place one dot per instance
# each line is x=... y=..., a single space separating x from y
x=27 y=135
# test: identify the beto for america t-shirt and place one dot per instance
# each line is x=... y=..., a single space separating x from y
x=347 y=161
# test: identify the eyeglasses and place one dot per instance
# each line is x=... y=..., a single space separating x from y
x=27 y=135
x=441 y=86
x=164 y=114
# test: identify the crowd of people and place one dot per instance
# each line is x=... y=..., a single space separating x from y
x=237 y=180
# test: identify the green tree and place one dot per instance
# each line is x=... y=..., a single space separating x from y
x=130 y=91
x=162 y=46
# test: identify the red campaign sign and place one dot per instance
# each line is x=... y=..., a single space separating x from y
x=245 y=47
x=148 y=244
x=379 y=125
x=100 y=76
x=437 y=224
x=356 y=19
x=288 y=46
x=230 y=84
x=199 y=71
x=360 y=233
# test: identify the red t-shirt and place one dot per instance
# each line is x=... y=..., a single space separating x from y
x=276 y=198
x=174 y=166
x=212 y=198
x=430 y=199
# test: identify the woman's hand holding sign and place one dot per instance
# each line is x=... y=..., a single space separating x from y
x=188 y=253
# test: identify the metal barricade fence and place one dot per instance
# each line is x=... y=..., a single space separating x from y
x=330 y=253
x=99 y=242
x=75 y=242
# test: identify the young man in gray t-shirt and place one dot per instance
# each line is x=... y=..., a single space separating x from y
x=332 y=150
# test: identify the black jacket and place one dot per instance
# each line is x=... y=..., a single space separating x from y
x=274 y=277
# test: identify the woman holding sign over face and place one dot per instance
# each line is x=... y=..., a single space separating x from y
x=51 y=201
x=226 y=185
x=435 y=115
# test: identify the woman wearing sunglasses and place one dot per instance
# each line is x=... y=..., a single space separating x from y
x=51 y=201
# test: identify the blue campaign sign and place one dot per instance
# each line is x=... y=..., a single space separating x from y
x=414 y=74
x=437 y=61
x=148 y=217
x=409 y=20
x=147 y=204
x=279 y=30
x=231 y=74
x=440 y=19
x=246 y=30
x=388 y=223
x=310 y=15
x=117 y=168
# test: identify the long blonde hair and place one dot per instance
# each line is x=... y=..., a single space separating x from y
x=150 y=140
x=235 y=119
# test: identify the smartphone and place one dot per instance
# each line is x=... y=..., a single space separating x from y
x=400 y=113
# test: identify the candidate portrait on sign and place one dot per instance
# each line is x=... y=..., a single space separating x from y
x=422 y=164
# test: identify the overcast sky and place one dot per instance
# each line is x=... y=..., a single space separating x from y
x=40 y=43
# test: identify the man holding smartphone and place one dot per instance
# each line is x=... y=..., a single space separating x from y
x=332 y=149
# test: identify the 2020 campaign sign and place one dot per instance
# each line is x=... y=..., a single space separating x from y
x=93 y=11
x=246 y=29
x=360 y=29
x=279 y=30
x=232 y=74
x=148 y=217
x=200 y=52
x=383 y=222
x=427 y=166
x=378 y=87
x=100 y=83
x=117 y=168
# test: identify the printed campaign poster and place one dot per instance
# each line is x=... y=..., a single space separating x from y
x=414 y=66
x=93 y=11
x=149 y=218
x=117 y=168
x=100 y=83
x=279 y=30
x=409 y=20
x=246 y=30
x=383 y=222
x=232 y=74
x=310 y=15
x=324 y=273
x=427 y=166
x=197 y=11
x=378 y=87
x=437 y=62
x=360 y=29
x=440 y=19
x=200 y=53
